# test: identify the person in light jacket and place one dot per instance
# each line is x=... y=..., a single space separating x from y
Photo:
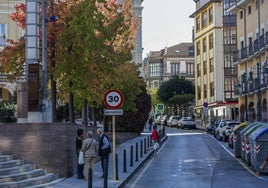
x=90 y=149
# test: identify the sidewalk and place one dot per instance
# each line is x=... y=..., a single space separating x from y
x=123 y=177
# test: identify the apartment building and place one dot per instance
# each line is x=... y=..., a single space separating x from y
x=8 y=30
x=252 y=58
x=160 y=65
x=215 y=46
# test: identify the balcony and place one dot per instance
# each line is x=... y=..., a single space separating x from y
x=252 y=48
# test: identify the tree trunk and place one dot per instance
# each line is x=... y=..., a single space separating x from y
x=71 y=107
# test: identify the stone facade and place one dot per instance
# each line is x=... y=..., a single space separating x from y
x=49 y=146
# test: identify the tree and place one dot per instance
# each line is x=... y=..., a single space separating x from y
x=177 y=92
x=135 y=121
x=182 y=102
x=94 y=50
x=90 y=49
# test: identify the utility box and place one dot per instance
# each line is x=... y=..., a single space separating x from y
x=259 y=147
x=246 y=138
x=251 y=127
x=237 y=138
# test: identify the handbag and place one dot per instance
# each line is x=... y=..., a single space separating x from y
x=156 y=145
x=81 y=158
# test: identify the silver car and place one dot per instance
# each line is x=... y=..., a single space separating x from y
x=186 y=122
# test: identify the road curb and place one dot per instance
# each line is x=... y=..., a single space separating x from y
x=122 y=185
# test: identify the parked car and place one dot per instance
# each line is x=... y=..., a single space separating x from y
x=186 y=122
x=217 y=129
x=211 y=128
x=79 y=121
x=163 y=118
x=231 y=140
x=225 y=130
x=173 y=121
x=157 y=120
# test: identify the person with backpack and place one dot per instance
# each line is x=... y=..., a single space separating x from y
x=104 y=151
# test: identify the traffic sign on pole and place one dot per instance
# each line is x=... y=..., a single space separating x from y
x=113 y=99
x=160 y=108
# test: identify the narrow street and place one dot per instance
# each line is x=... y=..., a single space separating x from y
x=192 y=158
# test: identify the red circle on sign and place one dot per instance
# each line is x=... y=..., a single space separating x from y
x=113 y=99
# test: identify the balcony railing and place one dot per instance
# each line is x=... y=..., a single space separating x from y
x=252 y=48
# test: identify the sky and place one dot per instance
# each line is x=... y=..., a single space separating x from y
x=166 y=23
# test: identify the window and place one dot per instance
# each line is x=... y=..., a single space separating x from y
x=198 y=70
x=2 y=29
x=155 y=69
x=212 y=92
x=211 y=64
x=198 y=48
x=249 y=10
x=174 y=68
x=2 y=35
x=210 y=11
x=205 y=91
x=197 y=23
x=211 y=41
x=241 y=14
x=204 y=45
x=205 y=67
x=198 y=92
x=190 y=69
x=204 y=19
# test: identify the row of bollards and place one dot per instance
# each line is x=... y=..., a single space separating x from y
x=144 y=145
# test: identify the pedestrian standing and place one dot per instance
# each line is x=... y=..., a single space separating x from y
x=104 y=151
x=155 y=138
x=79 y=141
x=90 y=149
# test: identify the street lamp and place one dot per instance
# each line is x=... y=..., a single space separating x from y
x=245 y=90
x=242 y=89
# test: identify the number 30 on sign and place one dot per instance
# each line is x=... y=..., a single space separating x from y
x=113 y=99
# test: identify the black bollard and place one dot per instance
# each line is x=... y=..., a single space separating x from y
x=137 y=151
x=145 y=146
x=105 y=178
x=116 y=167
x=148 y=141
x=141 y=151
x=125 y=161
x=90 y=178
x=131 y=155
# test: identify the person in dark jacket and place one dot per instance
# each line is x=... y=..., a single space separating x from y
x=79 y=142
x=104 y=150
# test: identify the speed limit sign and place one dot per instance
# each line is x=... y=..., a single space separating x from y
x=113 y=99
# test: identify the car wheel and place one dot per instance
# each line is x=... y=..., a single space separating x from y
x=218 y=136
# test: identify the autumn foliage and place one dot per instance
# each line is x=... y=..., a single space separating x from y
x=90 y=46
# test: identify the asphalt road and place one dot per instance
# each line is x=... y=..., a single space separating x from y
x=194 y=159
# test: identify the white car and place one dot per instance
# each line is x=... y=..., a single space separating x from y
x=224 y=129
x=173 y=121
x=186 y=122
x=79 y=121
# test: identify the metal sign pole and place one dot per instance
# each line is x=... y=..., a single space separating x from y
x=114 y=162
